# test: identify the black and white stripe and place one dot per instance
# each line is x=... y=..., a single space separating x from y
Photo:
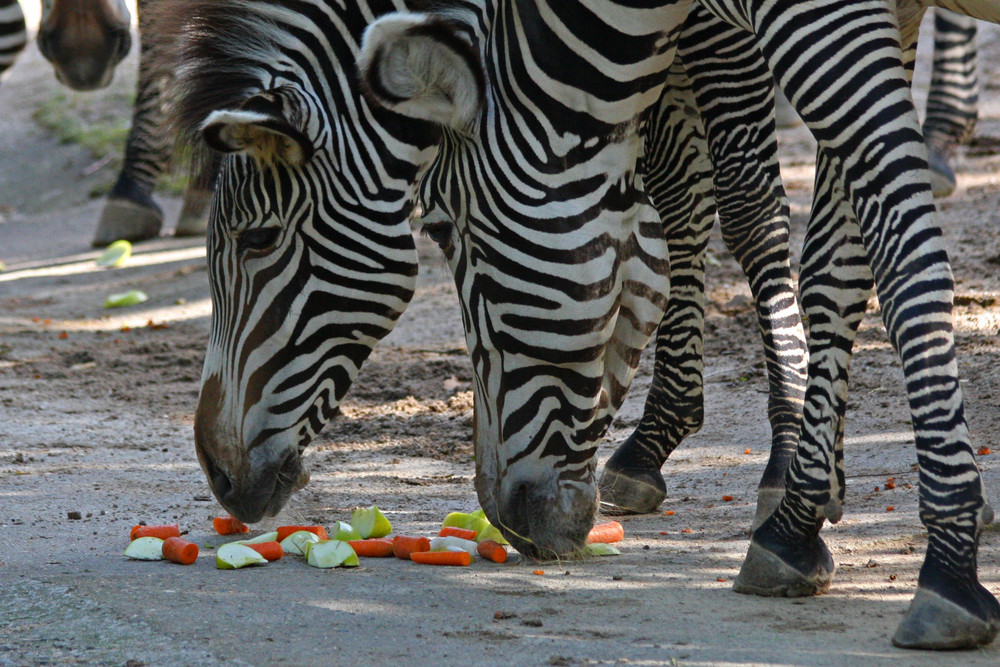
x=13 y=34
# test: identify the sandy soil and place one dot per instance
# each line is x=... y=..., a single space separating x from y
x=95 y=423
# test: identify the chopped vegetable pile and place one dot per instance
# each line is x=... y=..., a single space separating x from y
x=462 y=538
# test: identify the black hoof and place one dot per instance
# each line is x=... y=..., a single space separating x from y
x=935 y=622
x=124 y=219
x=942 y=175
x=193 y=220
x=631 y=490
x=776 y=569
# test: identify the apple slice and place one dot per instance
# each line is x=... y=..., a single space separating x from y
x=331 y=553
x=129 y=298
x=115 y=254
x=266 y=537
x=346 y=532
x=370 y=522
x=145 y=548
x=600 y=549
x=233 y=556
x=298 y=542
x=449 y=543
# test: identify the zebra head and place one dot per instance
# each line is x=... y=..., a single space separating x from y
x=310 y=254
x=559 y=259
x=84 y=40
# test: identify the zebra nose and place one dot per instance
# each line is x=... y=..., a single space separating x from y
x=543 y=519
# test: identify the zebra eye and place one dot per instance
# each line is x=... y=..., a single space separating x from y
x=439 y=232
x=260 y=238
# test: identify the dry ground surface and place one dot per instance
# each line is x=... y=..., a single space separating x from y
x=96 y=423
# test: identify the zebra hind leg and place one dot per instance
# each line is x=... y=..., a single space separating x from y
x=679 y=180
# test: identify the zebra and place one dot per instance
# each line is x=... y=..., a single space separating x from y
x=13 y=34
x=953 y=98
x=293 y=142
x=83 y=39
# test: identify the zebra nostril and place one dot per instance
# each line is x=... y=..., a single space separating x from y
x=220 y=482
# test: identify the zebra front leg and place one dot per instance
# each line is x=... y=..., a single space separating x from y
x=877 y=148
x=679 y=180
x=130 y=212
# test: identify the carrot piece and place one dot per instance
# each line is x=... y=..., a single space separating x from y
x=607 y=533
x=441 y=557
x=180 y=550
x=538 y=572
x=162 y=531
x=669 y=513
x=269 y=550
x=375 y=547
x=229 y=525
x=403 y=546
x=493 y=551
x=453 y=531
x=728 y=499
x=285 y=531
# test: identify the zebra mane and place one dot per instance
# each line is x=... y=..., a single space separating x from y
x=215 y=53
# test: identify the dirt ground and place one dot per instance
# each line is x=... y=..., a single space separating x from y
x=96 y=434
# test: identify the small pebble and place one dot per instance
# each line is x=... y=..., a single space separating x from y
x=74 y=516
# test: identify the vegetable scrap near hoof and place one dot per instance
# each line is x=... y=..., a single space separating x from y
x=229 y=525
x=462 y=539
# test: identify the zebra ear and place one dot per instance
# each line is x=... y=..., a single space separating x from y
x=260 y=127
x=421 y=66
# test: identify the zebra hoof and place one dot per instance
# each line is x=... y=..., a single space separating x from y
x=123 y=219
x=193 y=220
x=942 y=177
x=934 y=622
x=798 y=571
x=631 y=490
x=767 y=501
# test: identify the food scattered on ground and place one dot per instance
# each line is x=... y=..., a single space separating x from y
x=345 y=532
x=612 y=531
x=600 y=549
x=115 y=254
x=370 y=522
x=461 y=558
x=493 y=551
x=452 y=531
x=162 y=531
x=179 y=550
x=453 y=544
x=403 y=545
x=123 y=299
x=145 y=548
x=285 y=531
x=229 y=525
x=234 y=555
x=373 y=547
x=331 y=553
x=263 y=537
x=272 y=550
x=298 y=542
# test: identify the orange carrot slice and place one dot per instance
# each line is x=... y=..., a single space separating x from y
x=162 y=531
x=269 y=550
x=403 y=546
x=606 y=533
x=441 y=557
x=180 y=551
x=493 y=551
x=285 y=531
x=229 y=525
x=453 y=531
x=375 y=547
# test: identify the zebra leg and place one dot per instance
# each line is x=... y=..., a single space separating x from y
x=678 y=178
x=953 y=99
x=875 y=146
x=130 y=212
x=753 y=215
x=13 y=34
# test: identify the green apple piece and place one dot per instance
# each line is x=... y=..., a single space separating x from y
x=464 y=521
x=233 y=556
x=346 y=532
x=145 y=548
x=370 y=522
x=298 y=542
x=450 y=543
x=491 y=532
x=260 y=539
x=599 y=549
x=130 y=298
x=331 y=553
x=115 y=254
